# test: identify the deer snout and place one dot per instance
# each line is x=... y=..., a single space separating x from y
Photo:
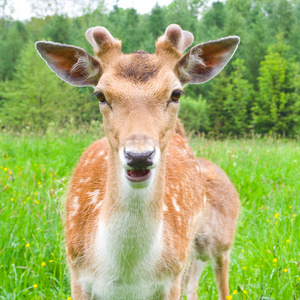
x=139 y=160
x=139 y=157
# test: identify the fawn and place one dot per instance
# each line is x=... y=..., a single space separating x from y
x=143 y=214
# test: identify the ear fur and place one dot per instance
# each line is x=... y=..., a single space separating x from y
x=72 y=64
x=206 y=60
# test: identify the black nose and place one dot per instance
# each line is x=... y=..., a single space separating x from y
x=139 y=160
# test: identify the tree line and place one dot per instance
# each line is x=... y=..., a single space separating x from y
x=258 y=92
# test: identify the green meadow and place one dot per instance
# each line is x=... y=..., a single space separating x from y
x=34 y=172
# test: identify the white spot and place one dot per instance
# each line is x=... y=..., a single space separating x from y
x=93 y=196
x=98 y=205
x=84 y=180
x=175 y=204
x=101 y=153
x=204 y=199
x=86 y=162
x=197 y=168
x=165 y=207
x=75 y=206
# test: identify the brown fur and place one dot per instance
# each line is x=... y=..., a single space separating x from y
x=140 y=70
x=121 y=236
x=214 y=232
x=180 y=128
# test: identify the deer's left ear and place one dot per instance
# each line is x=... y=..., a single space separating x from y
x=206 y=60
x=72 y=64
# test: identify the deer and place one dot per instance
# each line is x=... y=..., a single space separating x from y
x=143 y=214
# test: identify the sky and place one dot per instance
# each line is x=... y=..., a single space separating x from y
x=22 y=7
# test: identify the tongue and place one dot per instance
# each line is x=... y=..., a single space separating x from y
x=137 y=173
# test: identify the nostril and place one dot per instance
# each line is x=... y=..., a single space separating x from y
x=139 y=160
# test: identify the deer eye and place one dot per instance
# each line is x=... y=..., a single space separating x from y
x=100 y=96
x=176 y=95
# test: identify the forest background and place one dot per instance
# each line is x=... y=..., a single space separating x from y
x=257 y=93
x=45 y=125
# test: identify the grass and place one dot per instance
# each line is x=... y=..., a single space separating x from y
x=34 y=171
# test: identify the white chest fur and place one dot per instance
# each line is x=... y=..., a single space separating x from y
x=127 y=250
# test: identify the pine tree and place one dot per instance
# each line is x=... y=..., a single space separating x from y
x=36 y=96
x=277 y=107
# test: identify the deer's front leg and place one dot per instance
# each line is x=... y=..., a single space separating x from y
x=175 y=290
x=77 y=291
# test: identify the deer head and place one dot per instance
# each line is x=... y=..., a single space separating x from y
x=138 y=93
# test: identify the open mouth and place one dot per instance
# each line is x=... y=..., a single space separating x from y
x=137 y=175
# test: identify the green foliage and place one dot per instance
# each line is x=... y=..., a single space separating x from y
x=230 y=100
x=277 y=107
x=258 y=93
x=57 y=28
x=194 y=114
x=157 y=21
x=37 y=96
x=12 y=38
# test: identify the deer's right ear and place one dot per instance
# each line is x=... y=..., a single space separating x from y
x=72 y=64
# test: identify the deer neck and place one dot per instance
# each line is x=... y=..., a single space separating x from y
x=131 y=219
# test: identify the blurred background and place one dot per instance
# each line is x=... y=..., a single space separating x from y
x=45 y=125
x=257 y=93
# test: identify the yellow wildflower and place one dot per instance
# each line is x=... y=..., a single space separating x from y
x=285 y=270
x=276 y=216
x=43 y=264
x=287 y=241
x=229 y=297
x=234 y=292
x=275 y=260
x=244 y=268
x=245 y=292
x=35 y=285
x=27 y=245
